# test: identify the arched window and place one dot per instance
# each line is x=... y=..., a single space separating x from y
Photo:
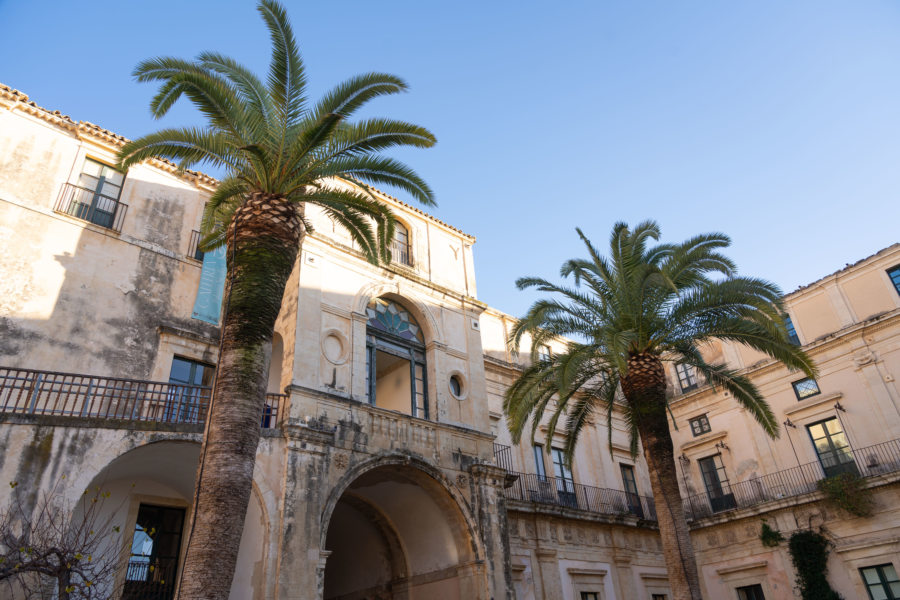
x=395 y=359
x=400 y=246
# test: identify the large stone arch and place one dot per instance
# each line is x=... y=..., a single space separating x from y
x=163 y=473
x=410 y=532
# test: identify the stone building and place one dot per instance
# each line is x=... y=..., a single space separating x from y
x=385 y=469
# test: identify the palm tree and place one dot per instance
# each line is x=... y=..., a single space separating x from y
x=628 y=314
x=279 y=154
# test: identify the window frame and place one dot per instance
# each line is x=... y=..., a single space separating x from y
x=719 y=493
x=412 y=350
x=401 y=250
x=539 y=465
x=590 y=596
x=893 y=274
x=840 y=466
x=565 y=480
x=183 y=403
x=802 y=382
x=688 y=374
x=82 y=200
x=159 y=583
x=792 y=335
x=701 y=419
x=756 y=589
x=545 y=353
x=882 y=580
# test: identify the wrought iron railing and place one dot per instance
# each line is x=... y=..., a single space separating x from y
x=400 y=253
x=503 y=456
x=869 y=461
x=88 y=205
x=146 y=580
x=556 y=491
x=30 y=391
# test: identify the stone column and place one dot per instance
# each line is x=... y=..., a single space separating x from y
x=301 y=562
x=490 y=510
x=551 y=582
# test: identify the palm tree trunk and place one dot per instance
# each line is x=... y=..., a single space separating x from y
x=263 y=241
x=645 y=389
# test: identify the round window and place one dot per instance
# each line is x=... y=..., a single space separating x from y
x=456 y=386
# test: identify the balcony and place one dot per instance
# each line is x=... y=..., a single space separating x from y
x=554 y=491
x=503 y=456
x=879 y=459
x=32 y=392
x=88 y=205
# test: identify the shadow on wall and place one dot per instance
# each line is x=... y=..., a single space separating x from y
x=97 y=305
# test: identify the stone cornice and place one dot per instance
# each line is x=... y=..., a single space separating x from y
x=758 y=564
x=876 y=323
x=391 y=270
x=703 y=441
x=813 y=402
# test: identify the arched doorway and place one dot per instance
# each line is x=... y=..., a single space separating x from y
x=396 y=533
x=147 y=495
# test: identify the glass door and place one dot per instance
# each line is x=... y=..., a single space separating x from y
x=832 y=448
x=716 y=482
x=153 y=564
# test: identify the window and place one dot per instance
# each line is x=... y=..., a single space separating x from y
x=881 y=582
x=153 y=563
x=687 y=377
x=589 y=596
x=805 y=388
x=632 y=497
x=565 y=484
x=400 y=246
x=456 y=386
x=96 y=196
x=751 y=592
x=894 y=274
x=539 y=461
x=184 y=403
x=700 y=425
x=832 y=448
x=791 y=332
x=395 y=359
x=658 y=597
x=544 y=353
x=716 y=482
x=195 y=252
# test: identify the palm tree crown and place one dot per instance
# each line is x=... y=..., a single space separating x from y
x=269 y=140
x=628 y=313
x=661 y=301
x=279 y=153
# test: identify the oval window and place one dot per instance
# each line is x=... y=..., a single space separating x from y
x=455 y=386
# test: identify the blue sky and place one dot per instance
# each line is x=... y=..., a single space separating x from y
x=775 y=122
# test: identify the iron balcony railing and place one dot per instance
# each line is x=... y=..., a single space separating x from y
x=29 y=391
x=88 y=205
x=869 y=461
x=503 y=456
x=149 y=579
x=556 y=491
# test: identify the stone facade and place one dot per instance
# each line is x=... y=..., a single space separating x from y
x=420 y=492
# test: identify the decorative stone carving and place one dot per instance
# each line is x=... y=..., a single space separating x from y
x=864 y=357
x=461 y=480
x=341 y=461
